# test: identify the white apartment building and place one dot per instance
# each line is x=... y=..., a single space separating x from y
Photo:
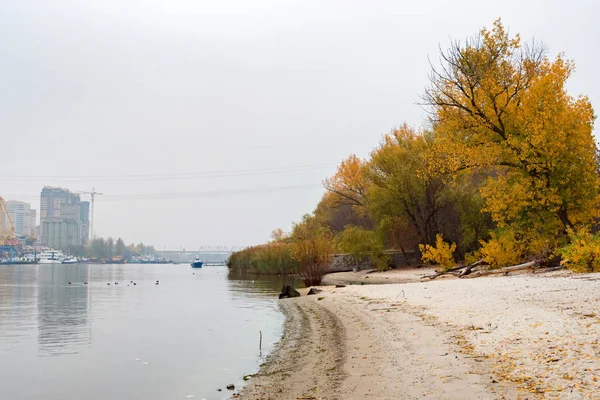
x=23 y=217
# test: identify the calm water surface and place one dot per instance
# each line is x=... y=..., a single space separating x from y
x=195 y=332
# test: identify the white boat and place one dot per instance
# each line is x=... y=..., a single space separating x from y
x=51 y=257
x=70 y=260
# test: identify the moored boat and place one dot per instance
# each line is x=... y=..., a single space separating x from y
x=51 y=257
x=197 y=263
x=69 y=260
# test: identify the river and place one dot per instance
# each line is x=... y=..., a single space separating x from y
x=192 y=334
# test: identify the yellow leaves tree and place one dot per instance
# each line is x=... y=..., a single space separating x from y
x=501 y=106
x=347 y=185
x=278 y=235
x=344 y=202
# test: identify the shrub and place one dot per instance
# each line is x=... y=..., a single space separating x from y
x=440 y=254
x=472 y=257
x=363 y=243
x=583 y=253
x=272 y=258
x=502 y=250
x=312 y=247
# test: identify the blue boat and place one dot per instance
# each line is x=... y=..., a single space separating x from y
x=197 y=263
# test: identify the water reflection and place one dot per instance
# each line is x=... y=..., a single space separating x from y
x=252 y=285
x=195 y=332
x=63 y=323
x=18 y=292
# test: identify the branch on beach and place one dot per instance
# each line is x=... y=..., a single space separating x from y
x=480 y=268
x=528 y=265
x=460 y=270
x=470 y=267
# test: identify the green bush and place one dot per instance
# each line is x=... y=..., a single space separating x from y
x=362 y=243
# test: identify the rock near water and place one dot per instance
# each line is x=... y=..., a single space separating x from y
x=314 y=291
x=287 y=291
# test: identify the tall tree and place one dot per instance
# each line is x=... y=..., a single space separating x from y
x=120 y=248
x=98 y=248
x=336 y=215
x=501 y=106
x=110 y=248
x=399 y=193
x=348 y=185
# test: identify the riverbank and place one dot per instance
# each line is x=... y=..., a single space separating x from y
x=534 y=336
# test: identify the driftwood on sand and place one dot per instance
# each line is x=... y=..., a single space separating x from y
x=481 y=268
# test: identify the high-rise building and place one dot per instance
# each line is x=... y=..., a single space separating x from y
x=64 y=218
x=33 y=223
x=22 y=217
x=52 y=198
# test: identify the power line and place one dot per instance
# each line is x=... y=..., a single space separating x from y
x=171 y=176
x=190 y=195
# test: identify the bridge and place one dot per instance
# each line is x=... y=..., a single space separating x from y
x=211 y=255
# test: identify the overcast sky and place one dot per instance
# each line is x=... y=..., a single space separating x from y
x=214 y=122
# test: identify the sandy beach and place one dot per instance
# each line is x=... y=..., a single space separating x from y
x=527 y=336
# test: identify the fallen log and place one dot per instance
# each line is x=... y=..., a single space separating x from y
x=550 y=269
x=460 y=270
x=470 y=267
x=507 y=270
x=459 y=267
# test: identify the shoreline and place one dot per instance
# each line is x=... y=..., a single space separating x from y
x=529 y=335
x=308 y=331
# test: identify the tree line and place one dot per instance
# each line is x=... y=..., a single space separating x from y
x=109 y=249
x=505 y=171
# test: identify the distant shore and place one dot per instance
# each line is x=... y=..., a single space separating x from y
x=530 y=334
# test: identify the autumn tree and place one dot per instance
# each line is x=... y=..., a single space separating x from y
x=501 y=106
x=398 y=192
x=336 y=216
x=313 y=246
x=348 y=184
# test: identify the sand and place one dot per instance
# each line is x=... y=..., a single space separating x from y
x=526 y=336
x=371 y=277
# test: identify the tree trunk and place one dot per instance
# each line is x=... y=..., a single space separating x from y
x=470 y=267
x=506 y=270
x=564 y=218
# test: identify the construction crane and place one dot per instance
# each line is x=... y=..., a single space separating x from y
x=93 y=193
x=7 y=230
